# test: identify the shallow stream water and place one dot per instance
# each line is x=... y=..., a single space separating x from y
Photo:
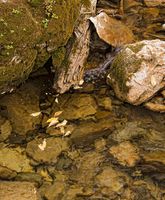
x=99 y=149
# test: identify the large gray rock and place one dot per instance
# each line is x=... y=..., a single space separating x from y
x=138 y=71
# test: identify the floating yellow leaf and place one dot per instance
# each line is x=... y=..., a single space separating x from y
x=56 y=114
x=62 y=129
x=67 y=133
x=53 y=121
x=56 y=100
x=63 y=123
x=36 y=114
x=42 y=146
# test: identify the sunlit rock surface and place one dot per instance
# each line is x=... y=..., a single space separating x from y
x=112 y=31
x=138 y=71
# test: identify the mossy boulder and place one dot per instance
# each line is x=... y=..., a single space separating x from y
x=138 y=71
x=30 y=32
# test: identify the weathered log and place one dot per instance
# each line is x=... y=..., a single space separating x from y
x=71 y=71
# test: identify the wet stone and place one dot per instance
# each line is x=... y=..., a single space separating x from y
x=79 y=106
x=86 y=168
x=126 y=153
x=112 y=179
x=29 y=177
x=100 y=144
x=14 y=159
x=5 y=130
x=6 y=174
x=87 y=132
x=128 y=131
x=105 y=103
x=155 y=156
x=46 y=150
x=18 y=191
x=54 y=191
x=20 y=107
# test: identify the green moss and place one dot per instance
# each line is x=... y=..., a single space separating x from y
x=24 y=31
x=35 y=3
x=124 y=66
x=136 y=48
x=59 y=56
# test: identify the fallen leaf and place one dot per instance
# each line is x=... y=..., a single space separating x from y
x=62 y=129
x=63 y=123
x=56 y=100
x=44 y=173
x=76 y=87
x=56 y=114
x=43 y=145
x=67 y=133
x=36 y=114
x=81 y=82
x=53 y=121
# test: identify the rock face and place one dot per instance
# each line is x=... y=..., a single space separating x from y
x=138 y=71
x=30 y=33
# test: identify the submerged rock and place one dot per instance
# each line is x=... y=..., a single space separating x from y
x=5 y=130
x=138 y=71
x=126 y=153
x=48 y=151
x=18 y=191
x=79 y=106
x=14 y=159
x=20 y=108
x=111 y=180
x=87 y=132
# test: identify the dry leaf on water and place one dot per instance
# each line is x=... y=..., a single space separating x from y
x=62 y=124
x=56 y=100
x=62 y=129
x=52 y=121
x=56 y=114
x=42 y=146
x=67 y=133
x=35 y=114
